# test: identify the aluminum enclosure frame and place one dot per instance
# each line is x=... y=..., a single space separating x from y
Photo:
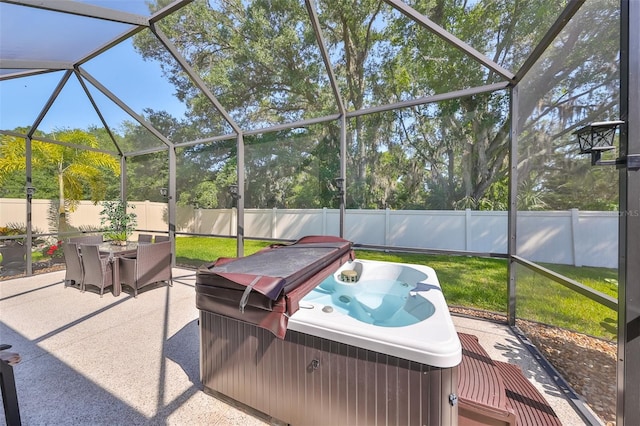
x=627 y=406
x=628 y=409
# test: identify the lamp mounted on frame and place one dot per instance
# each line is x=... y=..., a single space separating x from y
x=164 y=192
x=340 y=186
x=596 y=138
x=30 y=190
x=234 y=192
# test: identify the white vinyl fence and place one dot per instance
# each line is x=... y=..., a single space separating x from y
x=564 y=237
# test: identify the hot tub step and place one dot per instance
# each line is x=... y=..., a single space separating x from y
x=497 y=393
x=529 y=405
x=481 y=391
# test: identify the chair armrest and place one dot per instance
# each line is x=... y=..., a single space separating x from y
x=10 y=358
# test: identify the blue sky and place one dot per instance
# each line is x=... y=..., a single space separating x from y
x=138 y=83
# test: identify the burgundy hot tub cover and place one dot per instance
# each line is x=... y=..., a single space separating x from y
x=265 y=288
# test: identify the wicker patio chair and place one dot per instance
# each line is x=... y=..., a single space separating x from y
x=161 y=238
x=97 y=269
x=145 y=238
x=87 y=239
x=152 y=264
x=74 y=273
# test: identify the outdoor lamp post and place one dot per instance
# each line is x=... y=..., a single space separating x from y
x=596 y=138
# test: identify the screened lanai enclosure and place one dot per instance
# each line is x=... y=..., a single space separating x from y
x=432 y=126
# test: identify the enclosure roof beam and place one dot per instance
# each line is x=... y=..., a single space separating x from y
x=168 y=10
x=50 y=101
x=297 y=124
x=23 y=73
x=97 y=110
x=28 y=64
x=572 y=7
x=431 y=99
x=127 y=34
x=145 y=152
x=315 y=23
x=72 y=145
x=195 y=78
x=83 y=9
x=124 y=106
x=133 y=31
x=12 y=133
x=213 y=139
x=448 y=37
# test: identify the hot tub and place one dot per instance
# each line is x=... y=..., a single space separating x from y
x=372 y=344
x=394 y=308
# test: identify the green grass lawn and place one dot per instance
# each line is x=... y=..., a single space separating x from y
x=196 y=251
x=472 y=282
x=543 y=300
x=193 y=252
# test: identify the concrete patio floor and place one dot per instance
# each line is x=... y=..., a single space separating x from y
x=88 y=360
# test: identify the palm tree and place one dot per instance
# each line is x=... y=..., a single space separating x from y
x=74 y=168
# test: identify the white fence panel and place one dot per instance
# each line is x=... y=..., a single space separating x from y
x=292 y=224
x=152 y=216
x=40 y=212
x=443 y=230
x=365 y=226
x=545 y=235
x=87 y=215
x=596 y=239
x=487 y=231
x=258 y=223
x=564 y=237
x=214 y=221
x=13 y=210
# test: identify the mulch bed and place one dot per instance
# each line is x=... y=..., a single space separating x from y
x=38 y=268
x=588 y=364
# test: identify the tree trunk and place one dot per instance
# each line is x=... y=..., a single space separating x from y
x=62 y=212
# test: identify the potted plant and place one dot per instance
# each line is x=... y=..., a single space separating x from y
x=120 y=223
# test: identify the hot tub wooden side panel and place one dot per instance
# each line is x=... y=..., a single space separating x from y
x=306 y=380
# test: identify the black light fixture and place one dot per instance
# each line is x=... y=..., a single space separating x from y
x=595 y=138
x=30 y=190
x=165 y=193
x=234 y=192
x=340 y=184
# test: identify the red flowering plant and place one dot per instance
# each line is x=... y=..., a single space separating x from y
x=53 y=251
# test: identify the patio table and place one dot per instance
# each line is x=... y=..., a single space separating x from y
x=114 y=252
